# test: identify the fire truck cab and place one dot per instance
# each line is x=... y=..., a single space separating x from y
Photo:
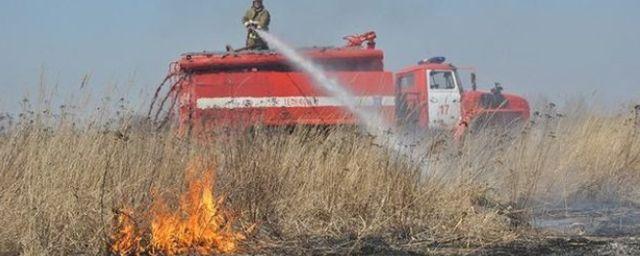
x=430 y=96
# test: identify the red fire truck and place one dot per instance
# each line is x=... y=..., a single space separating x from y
x=250 y=88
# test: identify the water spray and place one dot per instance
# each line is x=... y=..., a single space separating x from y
x=373 y=122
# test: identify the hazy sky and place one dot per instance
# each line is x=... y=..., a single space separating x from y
x=551 y=48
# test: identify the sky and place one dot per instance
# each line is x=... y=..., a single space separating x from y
x=549 y=49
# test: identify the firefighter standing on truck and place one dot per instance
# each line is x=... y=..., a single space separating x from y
x=257 y=17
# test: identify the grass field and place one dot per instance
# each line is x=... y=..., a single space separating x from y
x=63 y=177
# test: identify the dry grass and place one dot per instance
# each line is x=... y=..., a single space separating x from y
x=61 y=178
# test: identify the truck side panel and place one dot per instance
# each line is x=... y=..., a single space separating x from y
x=282 y=98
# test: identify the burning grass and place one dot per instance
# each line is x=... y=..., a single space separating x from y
x=199 y=226
x=308 y=191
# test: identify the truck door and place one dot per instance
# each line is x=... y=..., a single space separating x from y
x=407 y=102
x=443 y=99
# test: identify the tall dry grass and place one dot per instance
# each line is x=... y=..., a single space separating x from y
x=61 y=177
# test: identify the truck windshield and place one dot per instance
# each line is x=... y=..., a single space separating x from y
x=442 y=80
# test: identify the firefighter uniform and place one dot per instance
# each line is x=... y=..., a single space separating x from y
x=260 y=19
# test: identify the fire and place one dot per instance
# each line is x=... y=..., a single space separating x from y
x=199 y=226
x=125 y=238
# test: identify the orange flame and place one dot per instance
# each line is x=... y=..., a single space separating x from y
x=125 y=238
x=200 y=226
